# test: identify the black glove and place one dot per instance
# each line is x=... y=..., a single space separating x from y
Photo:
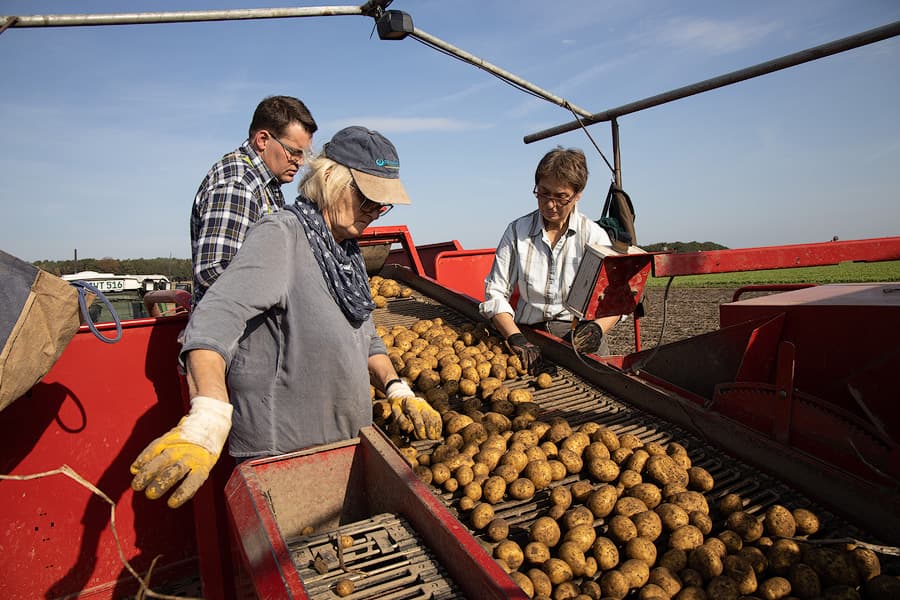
x=587 y=337
x=528 y=353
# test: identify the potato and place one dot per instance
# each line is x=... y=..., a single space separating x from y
x=664 y=470
x=755 y=557
x=580 y=491
x=807 y=522
x=620 y=455
x=573 y=555
x=649 y=494
x=344 y=587
x=701 y=521
x=722 y=588
x=621 y=529
x=521 y=489
x=440 y=473
x=538 y=471
x=561 y=496
x=717 y=546
x=605 y=552
x=637 y=572
x=686 y=537
x=651 y=591
x=579 y=515
x=673 y=559
x=509 y=555
x=591 y=589
x=641 y=549
x=774 y=588
x=804 y=581
x=733 y=542
x=730 y=503
x=546 y=531
x=508 y=472
x=602 y=500
x=614 y=584
x=691 y=578
x=867 y=563
x=665 y=580
x=464 y=475
x=779 y=522
x=691 y=592
x=451 y=485
x=582 y=536
x=648 y=525
x=638 y=460
x=628 y=506
x=571 y=460
x=603 y=470
x=782 y=555
x=559 y=430
x=705 y=561
x=741 y=572
x=699 y=479
x=523 y=582
x=558 y=470
x=497 y=529
x=690 y=501
x=672 y=516
x=493 y=489
x=882 y=587
x=481 y=515
x=519 y=396
x=466 y=503
x=543 y=381
x=536 y=552
x=557 y=570
x=541 y=582
x=745 y=524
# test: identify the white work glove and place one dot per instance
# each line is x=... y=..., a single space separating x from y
x=190 y=449
x=413 y=414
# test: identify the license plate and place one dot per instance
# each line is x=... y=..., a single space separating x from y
x=110 y=285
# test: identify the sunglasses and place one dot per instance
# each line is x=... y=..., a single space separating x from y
x=370 y=206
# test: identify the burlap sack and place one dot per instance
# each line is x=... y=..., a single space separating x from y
x=39 y=315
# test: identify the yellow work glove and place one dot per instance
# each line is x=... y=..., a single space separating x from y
x=413 y=414
x=187 y=452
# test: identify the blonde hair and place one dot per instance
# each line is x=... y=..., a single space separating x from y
x=323 y=182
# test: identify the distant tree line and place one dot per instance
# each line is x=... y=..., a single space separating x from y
x=680 y=247
x=176 y=269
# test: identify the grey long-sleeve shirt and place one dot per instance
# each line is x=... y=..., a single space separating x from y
x=296 y=368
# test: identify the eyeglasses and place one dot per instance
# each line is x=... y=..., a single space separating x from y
x=558 y=199
x=293 y=154
x=370 y=206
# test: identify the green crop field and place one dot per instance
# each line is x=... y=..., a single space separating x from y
x=849 y=272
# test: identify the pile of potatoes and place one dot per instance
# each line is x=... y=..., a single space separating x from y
x=465 y=364
x=636 y=522
x=382 y=289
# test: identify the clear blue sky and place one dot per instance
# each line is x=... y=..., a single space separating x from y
x=108 y=130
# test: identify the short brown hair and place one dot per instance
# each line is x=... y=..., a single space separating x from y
x=566 y=164
x=276 y=113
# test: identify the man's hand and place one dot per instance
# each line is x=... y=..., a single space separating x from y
x=587 y=337
x=413 y=414
x=528 y=353
x=188 y=451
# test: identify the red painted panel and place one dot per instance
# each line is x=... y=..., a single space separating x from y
x=95 y=411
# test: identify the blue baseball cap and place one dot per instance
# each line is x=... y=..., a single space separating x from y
x=373 y=162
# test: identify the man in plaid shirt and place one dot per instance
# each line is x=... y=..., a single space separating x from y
x=245 y=185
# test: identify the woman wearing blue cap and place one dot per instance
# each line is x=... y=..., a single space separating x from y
x=281 y=352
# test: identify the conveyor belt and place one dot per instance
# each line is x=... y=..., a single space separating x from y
x=386 y=560
x=578 y=401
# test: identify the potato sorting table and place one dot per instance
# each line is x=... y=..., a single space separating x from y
x=408 y=539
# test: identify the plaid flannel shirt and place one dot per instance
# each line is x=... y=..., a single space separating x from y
x=238 y=191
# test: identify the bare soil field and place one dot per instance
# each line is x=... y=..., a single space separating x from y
x=689 y=311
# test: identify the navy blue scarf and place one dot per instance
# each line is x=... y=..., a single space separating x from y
x=342 y=264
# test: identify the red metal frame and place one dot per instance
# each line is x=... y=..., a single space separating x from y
x=394 y=234
x=464 y=271
x=96 y=409
x=776 y=257
x=272 y=499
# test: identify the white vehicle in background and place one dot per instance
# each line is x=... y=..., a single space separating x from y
x=124 y=292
